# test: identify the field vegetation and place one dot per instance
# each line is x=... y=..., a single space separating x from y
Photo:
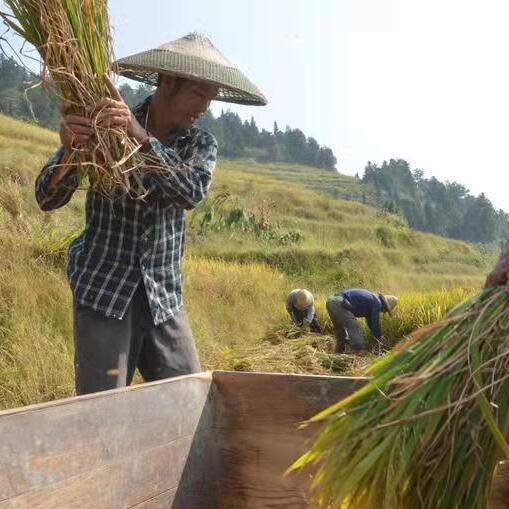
x=265 y=229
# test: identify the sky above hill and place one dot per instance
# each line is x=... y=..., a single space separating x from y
x=426 y=81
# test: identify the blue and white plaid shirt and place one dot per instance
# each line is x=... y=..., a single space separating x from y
x=126 y=240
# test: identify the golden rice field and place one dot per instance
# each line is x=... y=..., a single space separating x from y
x=262 y=232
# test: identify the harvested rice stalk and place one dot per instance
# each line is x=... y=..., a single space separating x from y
x=74 y=41
x=430 y=427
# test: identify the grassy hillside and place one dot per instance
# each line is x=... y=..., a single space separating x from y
x=342 y=242
x=264 y=230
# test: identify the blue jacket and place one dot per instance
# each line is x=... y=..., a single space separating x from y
x=366 y=304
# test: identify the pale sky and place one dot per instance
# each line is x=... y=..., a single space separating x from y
x=423 y=80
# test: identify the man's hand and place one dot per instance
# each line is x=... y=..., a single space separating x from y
x=75 y=131
x=115 y=113
x=498 y=276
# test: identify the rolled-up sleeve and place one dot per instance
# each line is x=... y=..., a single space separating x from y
x=53 y=197
x=178 y=181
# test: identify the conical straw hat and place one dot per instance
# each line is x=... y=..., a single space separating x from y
x=193 y=57
x=390 y=302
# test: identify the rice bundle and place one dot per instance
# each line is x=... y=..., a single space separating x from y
x=429 y=429
x=74 y=41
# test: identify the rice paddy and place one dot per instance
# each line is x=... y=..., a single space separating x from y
x=236 y=278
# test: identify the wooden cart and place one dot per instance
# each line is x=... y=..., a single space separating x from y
x=212 y=440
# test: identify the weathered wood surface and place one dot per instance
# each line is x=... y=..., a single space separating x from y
x=177 y=443
x=120 y=448
x=207 y=441
x=258 y=417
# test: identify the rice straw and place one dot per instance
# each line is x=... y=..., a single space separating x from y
x=74 y=41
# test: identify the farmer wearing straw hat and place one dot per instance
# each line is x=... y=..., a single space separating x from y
x=300 y=305
x=125 y=268
x=346 y=306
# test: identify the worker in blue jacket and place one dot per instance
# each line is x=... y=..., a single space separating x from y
x=346 y=306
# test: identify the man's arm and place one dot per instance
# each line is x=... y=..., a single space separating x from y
x=373 y=320
x=56 y=183
x=58 y=179
x=181 y=182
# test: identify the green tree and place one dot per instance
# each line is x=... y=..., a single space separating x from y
x=480 y=221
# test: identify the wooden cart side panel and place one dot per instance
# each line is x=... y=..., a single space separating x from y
x=125 y=447
x=278 y=403
x=258 y=417
x=174 y=472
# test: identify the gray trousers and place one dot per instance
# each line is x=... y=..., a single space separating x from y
x=346 y=327
x=108 y=350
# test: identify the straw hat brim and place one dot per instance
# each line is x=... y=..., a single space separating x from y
x=387 y=305
x=234 y=86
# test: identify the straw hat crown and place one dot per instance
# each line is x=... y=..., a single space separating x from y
x=304 y=300
x=193 y=57
x=198 y=45
x=390 y=302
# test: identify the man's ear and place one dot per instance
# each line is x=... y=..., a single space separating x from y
x=165 y=84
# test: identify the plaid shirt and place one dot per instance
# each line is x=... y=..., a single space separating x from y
x=125 y=240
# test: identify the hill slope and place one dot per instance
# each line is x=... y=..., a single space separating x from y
x=264 y=230
x=337 y=242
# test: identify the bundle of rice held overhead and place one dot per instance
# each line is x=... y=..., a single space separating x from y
x=74 y=41
x=429 y=428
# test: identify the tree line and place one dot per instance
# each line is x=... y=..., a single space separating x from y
x=447 y=209
x=237 y=138
x=23 y=96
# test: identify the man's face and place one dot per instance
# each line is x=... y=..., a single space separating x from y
x=190 y=101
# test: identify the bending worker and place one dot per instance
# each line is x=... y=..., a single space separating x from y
x=300 y=305
x=346 y=306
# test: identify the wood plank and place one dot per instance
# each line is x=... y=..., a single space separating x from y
x=273 y=402
x=204 y=375
x=188 y=497
x=258 y=417
x=133 y=482
x=259 y=438
x=256 y=474
x=75 y=439
x=161 y=501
